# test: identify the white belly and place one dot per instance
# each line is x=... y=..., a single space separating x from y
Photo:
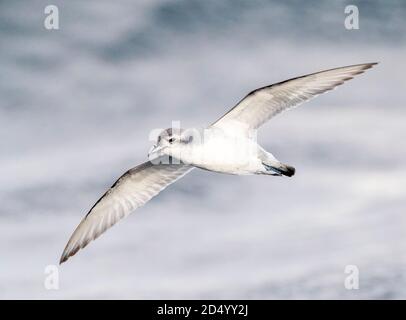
x=224 y=154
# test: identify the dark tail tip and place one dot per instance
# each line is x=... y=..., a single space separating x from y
x=288 y=171
x=280 y=169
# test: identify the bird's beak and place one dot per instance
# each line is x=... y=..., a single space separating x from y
x=155 y=152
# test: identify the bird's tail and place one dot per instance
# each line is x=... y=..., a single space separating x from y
x=279 y=168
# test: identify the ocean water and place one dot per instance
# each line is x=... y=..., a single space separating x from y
x=77 y=106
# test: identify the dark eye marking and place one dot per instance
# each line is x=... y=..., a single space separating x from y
x=171 y=140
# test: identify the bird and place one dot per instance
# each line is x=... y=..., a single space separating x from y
x=226 y=146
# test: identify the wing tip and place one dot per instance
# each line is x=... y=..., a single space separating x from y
x=369 y=65
x=63 y=259
x=358 y=68
x=67 y=254
x=74 y=246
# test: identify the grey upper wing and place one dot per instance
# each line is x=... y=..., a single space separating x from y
x=132 y=190
x=262 y=104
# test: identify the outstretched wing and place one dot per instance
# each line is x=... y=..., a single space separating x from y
x=262 y=104
x=132 y=190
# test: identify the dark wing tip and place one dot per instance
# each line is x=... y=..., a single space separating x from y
x=69 y=251
x=371 y=64
x=368 y=65
x=64 y=257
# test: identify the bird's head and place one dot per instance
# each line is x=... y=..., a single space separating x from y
x=170 y=142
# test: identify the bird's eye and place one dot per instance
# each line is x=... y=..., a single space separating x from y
x=171 y=140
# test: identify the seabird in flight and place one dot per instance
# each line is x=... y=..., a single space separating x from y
x=227 y=146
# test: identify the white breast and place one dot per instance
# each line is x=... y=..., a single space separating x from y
x=221 y=152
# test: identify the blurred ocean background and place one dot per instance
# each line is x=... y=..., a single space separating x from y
x=77 y=105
